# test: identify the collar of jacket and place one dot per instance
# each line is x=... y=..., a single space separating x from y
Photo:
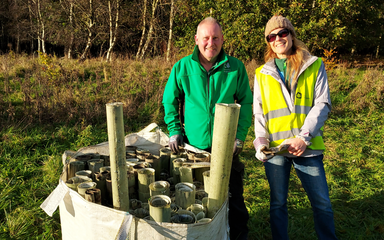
x=270 y=67
x=221 y=58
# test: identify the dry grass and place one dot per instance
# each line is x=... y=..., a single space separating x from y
x=251 y=66
x=48 y=89
x=357 y=89
x=369 y=93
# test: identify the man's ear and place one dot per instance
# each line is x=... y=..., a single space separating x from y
x=196 y=39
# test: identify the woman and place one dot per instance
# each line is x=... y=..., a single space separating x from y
x=291 y=104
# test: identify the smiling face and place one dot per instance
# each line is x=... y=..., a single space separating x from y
x=209 y=39
x=282 y=45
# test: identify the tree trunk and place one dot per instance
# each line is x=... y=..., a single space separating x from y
x=17 y=49
x=31 y=23
x=149 y=37
x=171 y=17
x=38 y=28
x=18 y=41
x=143 y=31
x=89 y=27
x=112 y=36
x=43 y=37
x=89 y=43
x=72 y=30
x=378 y=46
x=41 y=27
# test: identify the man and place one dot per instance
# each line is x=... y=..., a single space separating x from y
x=199 y=81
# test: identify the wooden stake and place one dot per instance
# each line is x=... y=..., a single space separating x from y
x=116 y=142
x=224 y=134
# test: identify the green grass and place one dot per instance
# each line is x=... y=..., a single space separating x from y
x=32 y=142
x=30 y=168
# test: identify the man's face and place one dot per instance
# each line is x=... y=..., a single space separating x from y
x=210 y=39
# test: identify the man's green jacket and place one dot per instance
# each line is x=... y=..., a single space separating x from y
x=226 y=82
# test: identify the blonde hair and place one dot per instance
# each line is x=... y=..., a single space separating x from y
x=299 y=53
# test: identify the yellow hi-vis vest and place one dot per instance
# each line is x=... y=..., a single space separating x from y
x=281 y=122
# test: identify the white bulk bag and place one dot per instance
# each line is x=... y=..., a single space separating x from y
x=81 y=219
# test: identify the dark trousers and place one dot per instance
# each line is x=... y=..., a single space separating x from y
x=238 y=213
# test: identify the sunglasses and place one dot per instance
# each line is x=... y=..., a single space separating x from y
x=272 y=37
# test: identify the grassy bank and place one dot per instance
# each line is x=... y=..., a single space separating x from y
x=50 y=105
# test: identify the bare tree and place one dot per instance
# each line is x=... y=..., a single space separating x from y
x=14 y=20
x=68 y=9
x=113 y=34
x=30 y=12
x=40 y=28
x=72 y=38
x=171 y=17
x=90 y=24
x=378 y=46
x=150 y=31
x=68 y=12
x=143 y=30
x=16 y=13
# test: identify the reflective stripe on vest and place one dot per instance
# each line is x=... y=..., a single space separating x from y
x=281 y=122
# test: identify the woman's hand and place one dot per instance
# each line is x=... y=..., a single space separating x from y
x=296 y=146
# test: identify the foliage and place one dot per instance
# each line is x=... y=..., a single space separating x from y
x=342 y=25
x=48 y=66
x=329 y=59
x=348 y=26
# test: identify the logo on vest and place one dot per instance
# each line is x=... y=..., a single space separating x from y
x=299 y=95
x=227 y=67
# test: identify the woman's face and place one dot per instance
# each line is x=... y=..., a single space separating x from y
x=282 y=45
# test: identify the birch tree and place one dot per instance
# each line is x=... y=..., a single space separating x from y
x=40 y=28
x=69 y=26
x=171 y=17
x=143 y=30
x=31 y=33
x=16 y=12
x=72 y=37
x=113 y=32
x=150 y=31
x=90 y=22
x=36 y=13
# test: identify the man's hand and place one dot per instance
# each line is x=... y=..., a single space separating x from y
x=238 y=147
x=296 y=146
x=175 y=142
